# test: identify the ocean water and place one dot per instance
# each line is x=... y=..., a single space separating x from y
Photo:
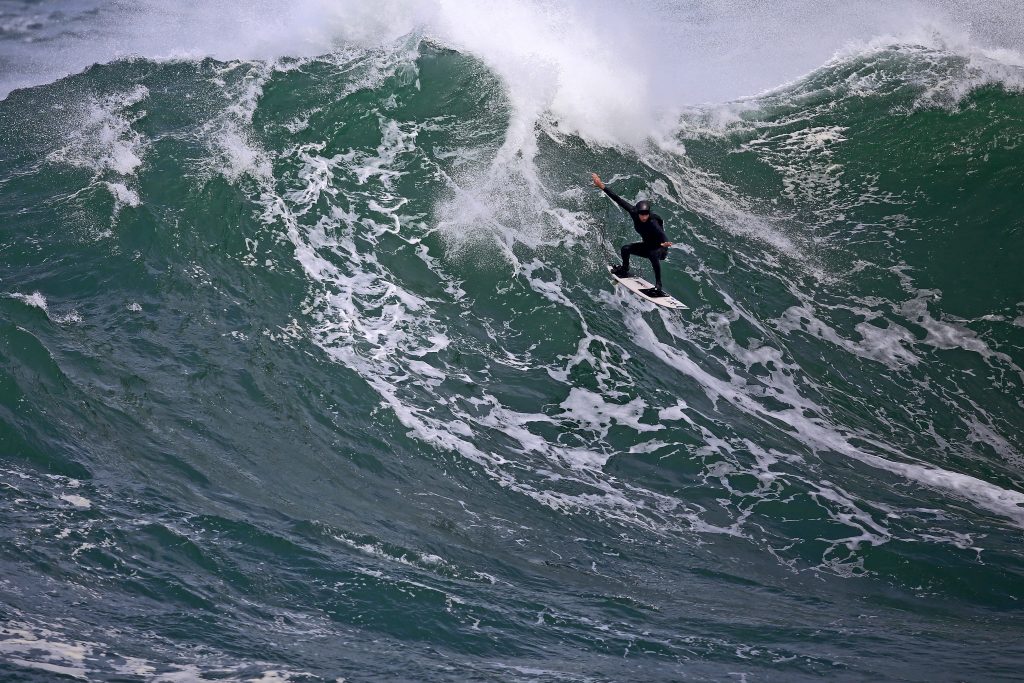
x=310 y=369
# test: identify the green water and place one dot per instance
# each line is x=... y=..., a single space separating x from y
x=302 y=374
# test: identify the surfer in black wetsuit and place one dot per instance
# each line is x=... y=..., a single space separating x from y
x=655 y=243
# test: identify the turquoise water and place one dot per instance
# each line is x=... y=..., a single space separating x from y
x=311 y=370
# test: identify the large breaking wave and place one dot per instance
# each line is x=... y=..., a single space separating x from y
x=310 y=342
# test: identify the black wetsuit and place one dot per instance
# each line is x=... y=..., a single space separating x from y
x=652 y=232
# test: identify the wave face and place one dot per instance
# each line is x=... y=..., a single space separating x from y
x=311 y=369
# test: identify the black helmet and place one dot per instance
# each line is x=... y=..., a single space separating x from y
x=643 y=206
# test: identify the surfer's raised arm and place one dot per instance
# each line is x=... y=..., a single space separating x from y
x=626 y=206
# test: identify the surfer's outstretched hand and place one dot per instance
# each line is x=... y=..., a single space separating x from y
x=597 y=181
x=666 y=244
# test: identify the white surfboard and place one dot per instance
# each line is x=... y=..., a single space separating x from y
x=638 y=284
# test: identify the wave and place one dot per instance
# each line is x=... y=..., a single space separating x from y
x=323 y=343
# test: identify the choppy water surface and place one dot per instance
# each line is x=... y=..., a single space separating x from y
x=310 y=368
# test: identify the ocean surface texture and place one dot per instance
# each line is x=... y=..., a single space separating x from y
x=311 y=369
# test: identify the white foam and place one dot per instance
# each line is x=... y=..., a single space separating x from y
x=816 y=433
x=101 y=136
x=44 y=650
x=676 y=412
x=123 y=195
x=890 y=345
x=804 y=160
x=592 y=410
x=72 y=671
x=395 y=142
x=235 y=152
x=49 y=649
x=78 y=501
x=70 y=317
x=273 y=676
x=239 y=155
x=35 y=299
x=943 y=334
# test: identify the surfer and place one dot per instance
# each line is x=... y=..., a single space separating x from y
x=650 y=226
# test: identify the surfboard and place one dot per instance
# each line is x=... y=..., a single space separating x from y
x=637 y=285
